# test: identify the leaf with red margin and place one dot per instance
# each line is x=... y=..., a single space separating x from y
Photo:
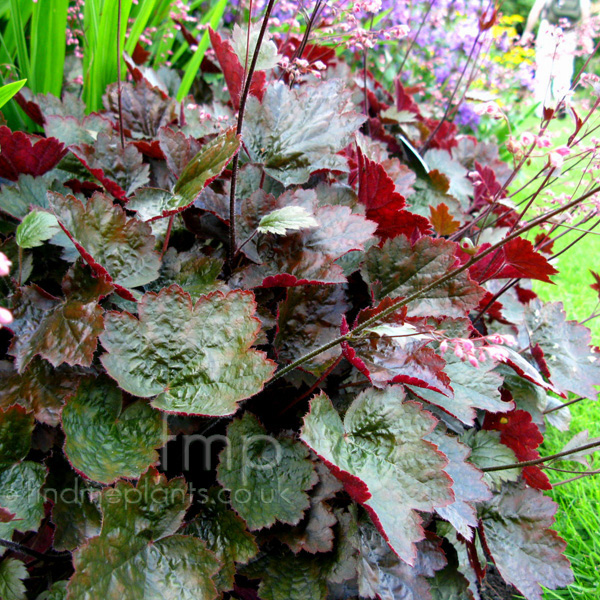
x=195 y=358
x=378 y=452
x=119 y=249
x=307 y=319
x=516 y=258
x=71 y=130
x=309 y=256
x=527 y=371
x=40 y=388
x=406 y=359
x=377 y=193
x=485 y=185
x=468 y=484
x=400 y=269
x=145 y=109
x=473 y=389
x=515 y=528
x=120 y=170
x=19 y=156
x=566 y=345
x=234 y=71
x=522 y=436
x=61 y=331
x=443 y=222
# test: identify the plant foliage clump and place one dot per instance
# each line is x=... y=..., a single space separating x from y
x=265 y=360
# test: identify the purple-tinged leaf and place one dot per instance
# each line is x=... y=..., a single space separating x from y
x=178 y=149
x=120 y=170
x=136 y=554
x=59 y=330
x=195 y=358
x=315 y=533
x=295 y=132
x=40 y=388
x=566 y=348
x=399 y=269
x=308 y=318
x=71 y=130
x=105 y=442
x=379 y=453
x=144 y=108
x=467 y=484
x=254 y=466
x=474 y=388
x=119 y=249
x=516 y=528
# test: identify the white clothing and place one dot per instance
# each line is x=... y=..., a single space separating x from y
x=554 y=57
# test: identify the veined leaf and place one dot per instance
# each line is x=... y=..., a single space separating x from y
x=105 y=442
x=36 y=228
x=289 y=217
x=268 y=477
x=195 y=358
x=378 y=452
x=12 y=574
x=136 y=554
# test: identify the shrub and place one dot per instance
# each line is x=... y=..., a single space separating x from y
x=280 y=355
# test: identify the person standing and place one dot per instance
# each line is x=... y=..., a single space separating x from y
x=555 y=47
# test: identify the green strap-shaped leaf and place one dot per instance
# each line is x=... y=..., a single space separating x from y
x=225 y=534
x=379 y=453
x=136 y=557
x=195 y=358
x=528 y=554
x=12 y=574
x=268 y=477
x=104 y=443
x=399 y=269
x=9 y=90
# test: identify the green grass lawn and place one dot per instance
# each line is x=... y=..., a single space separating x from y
x=578 y=518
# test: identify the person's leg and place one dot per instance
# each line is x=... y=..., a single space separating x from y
x=545 y=51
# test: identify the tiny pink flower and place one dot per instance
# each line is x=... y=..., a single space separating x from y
x=5 y=265
x=5 y=317
x=444 y=347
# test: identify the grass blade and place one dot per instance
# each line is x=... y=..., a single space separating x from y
x=9 y=90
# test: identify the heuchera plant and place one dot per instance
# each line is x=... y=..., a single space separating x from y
x=261 y=358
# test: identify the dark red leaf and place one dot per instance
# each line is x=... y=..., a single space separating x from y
x=140 y=54
x=524 y=295
x=516 y=258
x=151 y=149
x=30 y=108
x=377 y=192
x=19 y=156
x=404 y=101
x=544 y=243
x=522 y=436
x=445 y=138
x=234 y=71
x=595 y=286
x=485 y=184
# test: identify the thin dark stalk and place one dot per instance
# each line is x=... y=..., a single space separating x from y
x=240 y=122
x=570 y=480
x=119 y=90
x=312 y=388
x=572 y=471
x=167 y=236
x=447 y=277
x=542 y=459
x=554 y=408
x=413 y=41
x=16 y=547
